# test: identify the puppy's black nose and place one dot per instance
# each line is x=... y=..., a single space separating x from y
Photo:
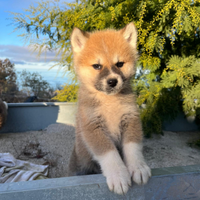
x=112 y=82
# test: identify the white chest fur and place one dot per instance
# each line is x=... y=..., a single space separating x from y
x=112 y=110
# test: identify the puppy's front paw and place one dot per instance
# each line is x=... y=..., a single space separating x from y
x=135 y=163
x=140 y=172
x=119 y=180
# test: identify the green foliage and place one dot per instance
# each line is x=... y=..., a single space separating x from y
x=159 y=109
x=185 y=74
x=168 y=45
x=67 y=94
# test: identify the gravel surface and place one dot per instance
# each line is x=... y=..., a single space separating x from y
x=172 y=149
x=53 y=146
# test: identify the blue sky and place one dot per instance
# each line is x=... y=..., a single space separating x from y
x=13 y=48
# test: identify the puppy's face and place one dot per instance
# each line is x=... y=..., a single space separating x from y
x=104 y=60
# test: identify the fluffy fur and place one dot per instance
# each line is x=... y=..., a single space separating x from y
x=108 y=128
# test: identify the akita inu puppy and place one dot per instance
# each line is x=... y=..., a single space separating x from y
x=108 y=127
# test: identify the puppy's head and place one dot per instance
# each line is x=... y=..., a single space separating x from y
x=104 y=60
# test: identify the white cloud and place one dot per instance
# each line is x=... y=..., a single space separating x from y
x=23 y=54
x=24 y=59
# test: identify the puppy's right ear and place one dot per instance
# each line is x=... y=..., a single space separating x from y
x=78 y=39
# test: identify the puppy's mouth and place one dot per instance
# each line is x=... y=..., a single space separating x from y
x=111 y=91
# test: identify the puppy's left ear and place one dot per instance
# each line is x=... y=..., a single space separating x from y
x=129 y=32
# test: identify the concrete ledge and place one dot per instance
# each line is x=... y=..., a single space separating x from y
x=166 y=183
x=40 y=104
x=36 y=116
x=181 y=123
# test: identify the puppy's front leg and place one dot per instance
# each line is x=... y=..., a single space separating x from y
x=132 y=149
x=105 y=153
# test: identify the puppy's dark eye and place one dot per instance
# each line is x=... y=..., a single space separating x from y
x=97 y=66
x=119 y=64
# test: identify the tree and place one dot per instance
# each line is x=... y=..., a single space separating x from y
x=8 y=78
x=168 y=45
x=34 y=84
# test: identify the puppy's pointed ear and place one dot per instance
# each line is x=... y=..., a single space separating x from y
x=129 y=32
x=78 y=39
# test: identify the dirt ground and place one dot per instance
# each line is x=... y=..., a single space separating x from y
x=53 y=146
